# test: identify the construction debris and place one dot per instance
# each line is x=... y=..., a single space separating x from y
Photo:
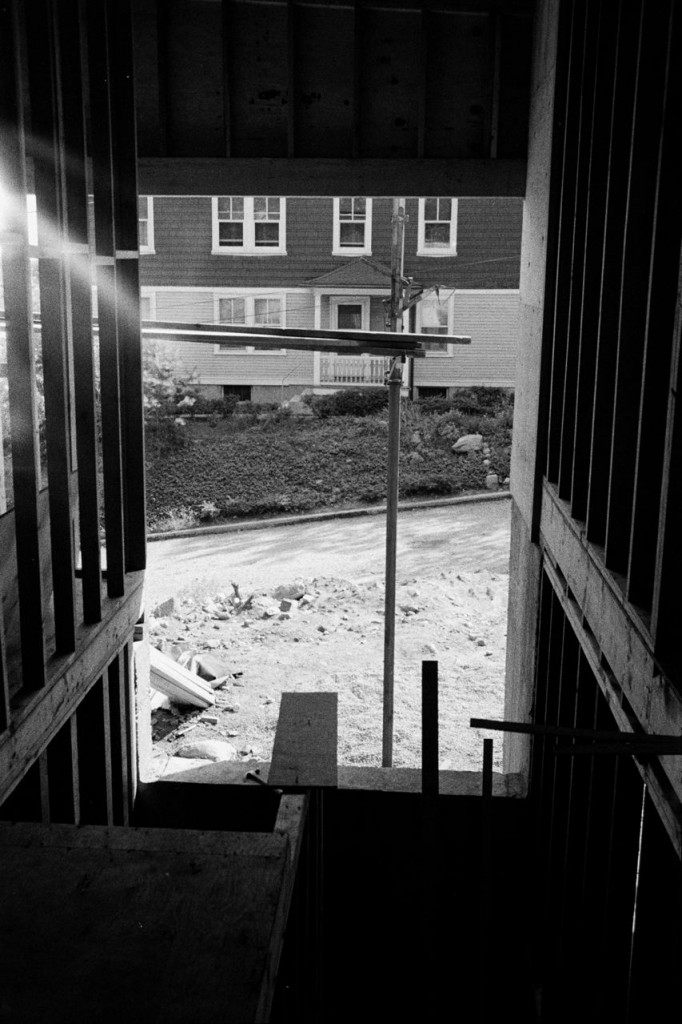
x=182 y=686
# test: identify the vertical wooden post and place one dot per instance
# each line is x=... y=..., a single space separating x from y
x=430 y=728
x=484 y=920
x=20 y=354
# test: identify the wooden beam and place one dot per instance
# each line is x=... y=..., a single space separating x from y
x=71 y=33
x=4 y=679
x=305 y=748
x=600 y=617
x=62 y=764
x=328 y=177
x=322 y=339
x=291 y=79
x=430 y=728
x=226 y=24
x=49 y=161
x=39 y=717
x=20 y=355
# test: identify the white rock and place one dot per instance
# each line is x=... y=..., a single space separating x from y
x=468 y=443
x=209 y=750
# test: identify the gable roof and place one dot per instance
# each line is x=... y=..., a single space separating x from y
x=356 y=273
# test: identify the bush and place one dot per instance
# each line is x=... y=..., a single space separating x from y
x=482 y=401
x=351 y=402
x=434 y=406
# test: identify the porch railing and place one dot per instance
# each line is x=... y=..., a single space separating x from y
x=367 y=370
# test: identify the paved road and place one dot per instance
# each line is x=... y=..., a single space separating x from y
x=467 y=537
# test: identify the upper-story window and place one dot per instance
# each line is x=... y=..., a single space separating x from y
x=433 y=317
x=352 y=226
x=145 y=221
x=249 y=225
x=437 y=227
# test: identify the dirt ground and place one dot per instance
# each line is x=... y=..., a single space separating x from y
x=331 y=638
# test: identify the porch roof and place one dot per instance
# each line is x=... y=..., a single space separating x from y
x=359 y=272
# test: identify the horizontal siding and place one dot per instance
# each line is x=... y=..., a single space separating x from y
x=208 y=367
x=488 y=246
x=491 y=319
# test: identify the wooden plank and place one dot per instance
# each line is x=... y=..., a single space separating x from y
x=63 y=775
x=38 y=719
x=643 y=174
x=360 y=341
x=665 y=621
x=86 y=441
x=71 y=36
x=58 y=437
x=653 y=469
x=50 y=159
x=485 y=883
x=358 y=42
x=134 y=720
x=195 y=938
x=4 y=678
x=561 y=285
x=575 y=341
x=430 y=728
x=123 y=141
x=206 y=176
x=110 y=403
x=20 y=357
x=118 y=739
x=610 y=288
x=177 y=682
x=93 y=762
x=132 y=415
x=423 y=44
x=305 y=748
x=9 y=590
x=600 y=616
x=226 y=10
x=291 y=79
x=592 y=259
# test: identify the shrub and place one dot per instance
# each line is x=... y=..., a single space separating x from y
x=351 y=402
x=482 y=400
x=434 y=406
x=180 y=518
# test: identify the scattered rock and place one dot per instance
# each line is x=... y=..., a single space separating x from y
x=264 y=608
x=164 y=609
x=211 y=668
x=492 y=481
x=468 y=443
x=290 y=591
x=209 y=750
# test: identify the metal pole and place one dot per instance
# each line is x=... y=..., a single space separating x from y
x=394 y=381
x=394 y=384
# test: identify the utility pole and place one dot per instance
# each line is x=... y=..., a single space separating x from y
x=394 y=381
